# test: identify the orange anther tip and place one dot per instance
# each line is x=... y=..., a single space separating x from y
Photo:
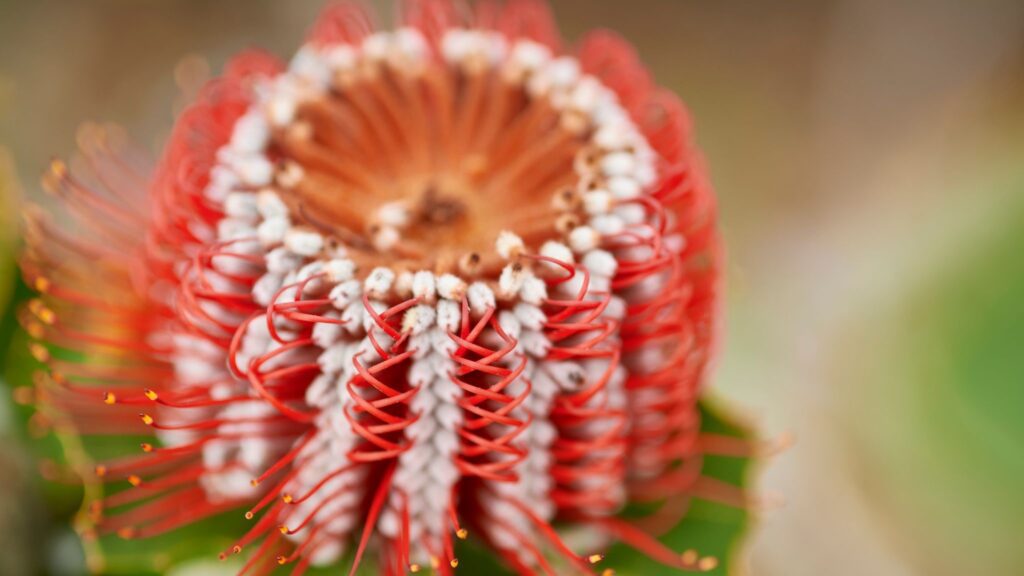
x=101 y=470
x=708 y=563
x=248 y=515
x=126 y=532
x=283 y=529
x=282 y=560
x=595 y=558
x=150 y=394
x=35 y=330
x=42 y=285
x=109 y=398
x=147 y=447
x=461 y=534
x=414 y=568
x=608 y=572
x=146 y=419
x=47 y=316
x=254 y=482
x=59 y=168
x=222 y=556
x=39 y=352
x=134 y=480
x=454 y=563
x=287 y=498
x=236 y=549
x=689 y=557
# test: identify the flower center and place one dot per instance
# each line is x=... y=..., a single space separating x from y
x=403 y=158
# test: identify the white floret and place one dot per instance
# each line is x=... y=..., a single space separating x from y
x=601 y=263
x=598 y=201
x=346 y=293
x=339 y=270
x=303 y=242
x=534 y=290
x=418 y=319
x=270 y=205
x=282 y=261
x=511 y=280
x=379 y=282
x=509 y=245
x=250 y=133
x=607 y=224
x=272 y=231
x=618 y=164
x=394 y=214
x=449 y=315
x=480 y=296
x=451 y=287
x=241 y=205
x=584 y=239
x=424 y=285
x=623 y=187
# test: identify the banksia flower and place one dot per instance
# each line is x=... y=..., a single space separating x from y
x=451 y=280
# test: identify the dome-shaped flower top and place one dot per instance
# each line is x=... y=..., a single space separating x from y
x=448 y=279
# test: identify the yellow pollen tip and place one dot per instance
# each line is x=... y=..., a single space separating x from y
x=608 y=572
x=283 y=529
x=39 y=352
x=35 y=330
x=454 y=563
x=248 y=515
x=414 y=568
x=101 y=470
x=254 y=482
x=461 y=534
x=134 y=480
x=435 y=562
x=47 y=316
x=59 y=168
x=41 y=285
x=689 y=557
x=282 y=560
x=236 y=549
x=150 y=394
x=708 y=563
x=147 y=447
x=287 y=498
x=146 y=419
x=109 y=398
x=595 y=558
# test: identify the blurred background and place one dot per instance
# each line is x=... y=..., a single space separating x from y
x=869 y=160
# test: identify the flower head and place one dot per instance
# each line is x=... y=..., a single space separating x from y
x=449 y=279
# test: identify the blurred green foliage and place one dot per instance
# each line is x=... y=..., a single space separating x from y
x=939 y=416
